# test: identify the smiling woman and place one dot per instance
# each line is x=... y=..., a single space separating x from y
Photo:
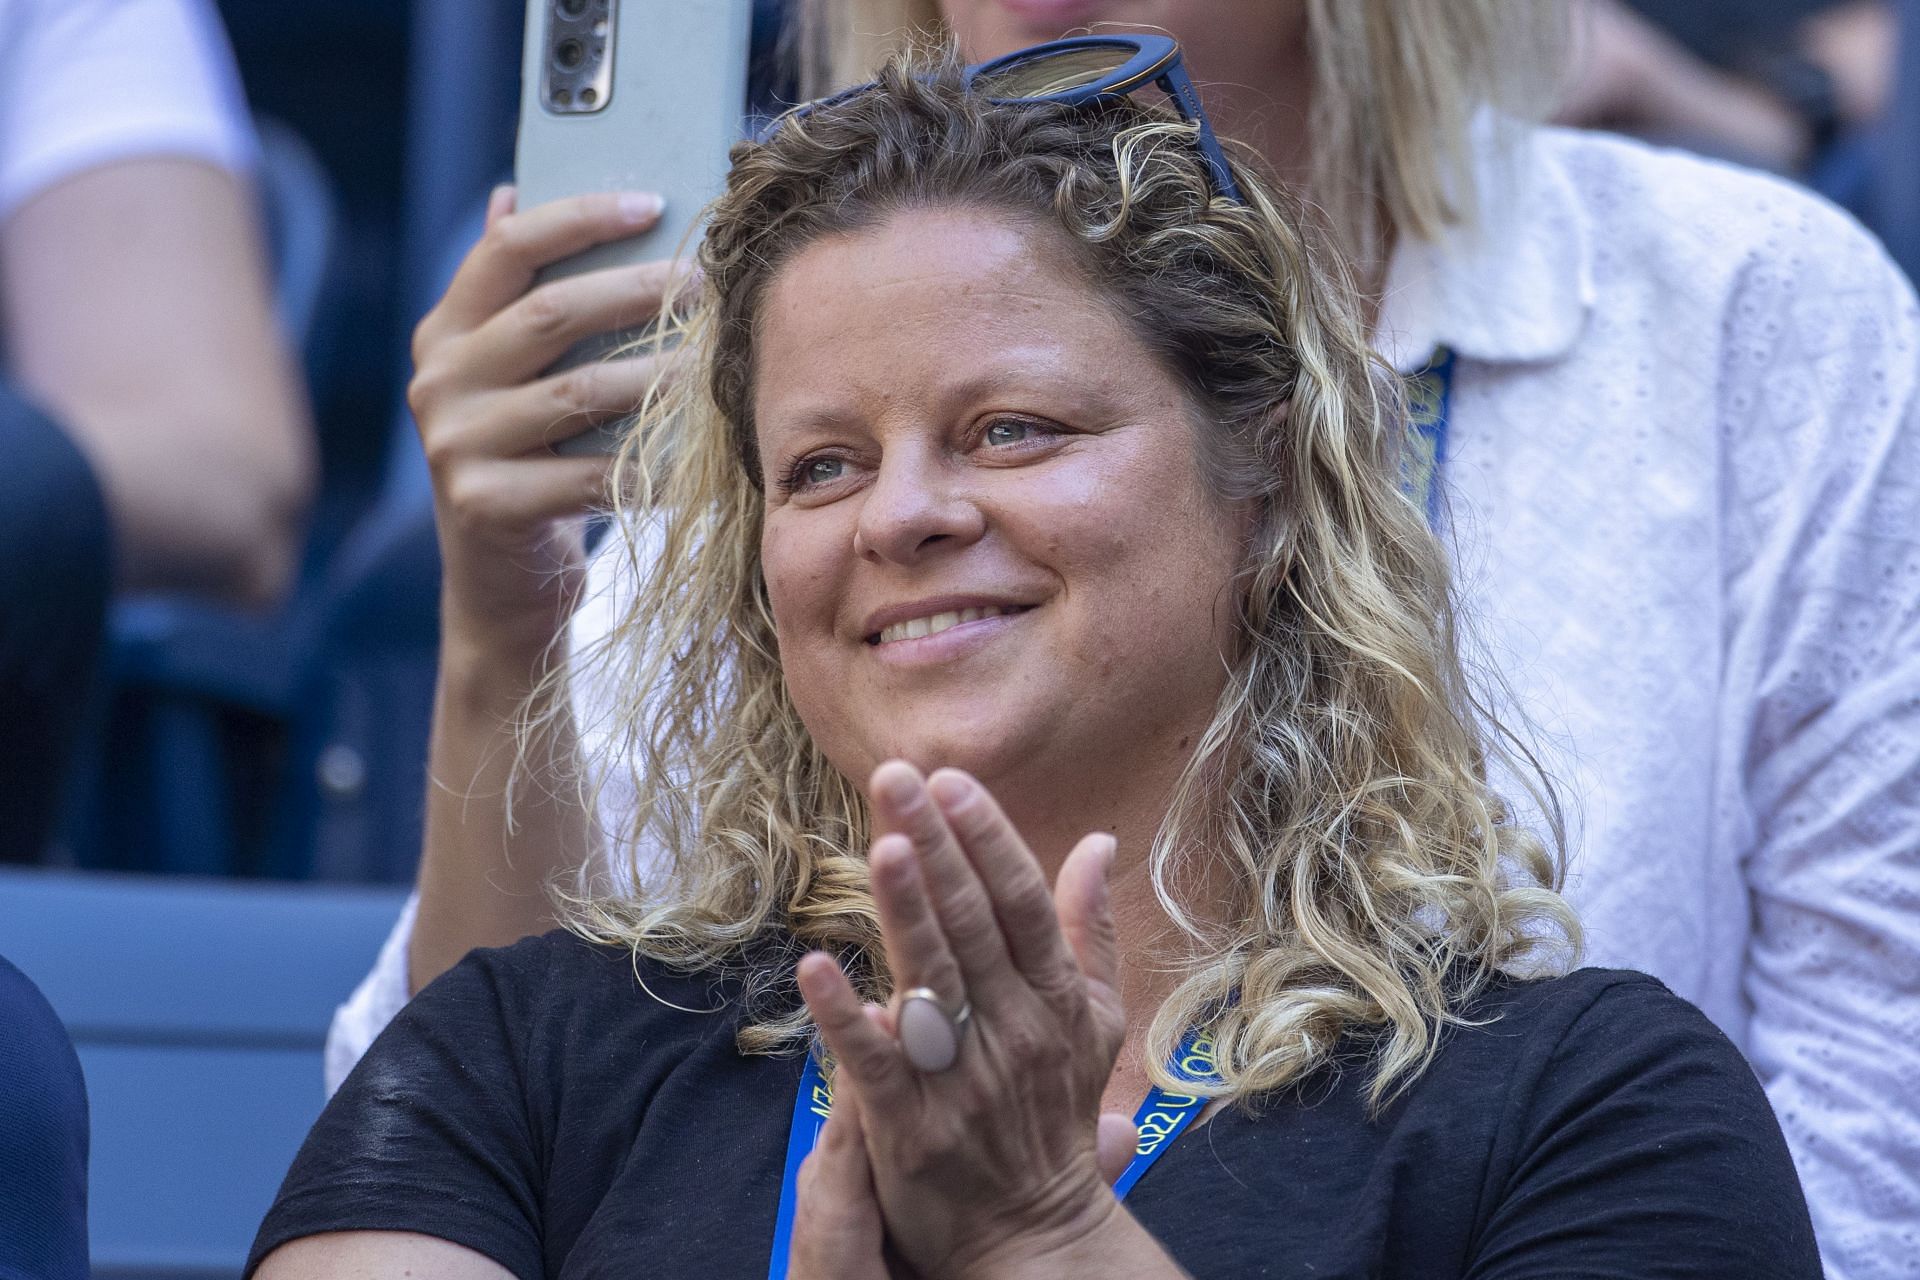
x=937 y=452
x=1030 y=516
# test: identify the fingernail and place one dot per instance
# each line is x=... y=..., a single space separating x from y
x=950 y=789
x=640 y=206
x=891 y=846
x=897 y=785
x=1108 y=848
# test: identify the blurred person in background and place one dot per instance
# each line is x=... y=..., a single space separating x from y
x=43 y=1139
x=1683 y=490
x=153 y=423
x=1774 y=83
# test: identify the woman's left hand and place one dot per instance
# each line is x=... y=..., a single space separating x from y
x=992 y=1163
x=837 y=1229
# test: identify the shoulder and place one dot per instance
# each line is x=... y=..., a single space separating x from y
x=39 y=1073
x=1624 y=1116
x=562 y=975
x=1548 y=1046
x=43 y=1129
x=1602 y=1005
x=1813 y=331
x=544 y=1000
x=1524 y=1046
x=1567 y=997
x=164 y=85
x=1591 y=1040
x=1705 y=225
x=1513 y=1015
x=1649 y=192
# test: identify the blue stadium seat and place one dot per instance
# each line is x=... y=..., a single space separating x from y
x=199 y=1010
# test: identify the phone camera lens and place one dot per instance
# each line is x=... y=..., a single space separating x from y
x=569 y=54
x=573 y=10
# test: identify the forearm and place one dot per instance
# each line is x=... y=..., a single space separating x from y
x=501 y=817
x=199 y=505
x=1630 y=74
x=1701 y=105
x=511 y=519
x=137 y=307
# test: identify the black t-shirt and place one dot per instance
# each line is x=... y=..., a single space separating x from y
x=568 y=1113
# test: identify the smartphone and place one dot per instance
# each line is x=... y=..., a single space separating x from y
x=630 y=95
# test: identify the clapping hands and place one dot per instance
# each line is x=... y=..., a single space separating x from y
x=1002 y=1161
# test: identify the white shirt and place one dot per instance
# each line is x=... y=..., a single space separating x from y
x=1685 y=508
x=84 y=83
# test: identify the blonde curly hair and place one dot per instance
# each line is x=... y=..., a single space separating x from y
x=1376 y=882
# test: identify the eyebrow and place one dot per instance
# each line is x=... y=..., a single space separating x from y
x=1081 y=394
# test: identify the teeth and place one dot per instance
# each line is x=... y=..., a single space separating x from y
x=918 y=628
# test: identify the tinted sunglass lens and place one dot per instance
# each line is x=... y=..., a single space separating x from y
x=1052 y=73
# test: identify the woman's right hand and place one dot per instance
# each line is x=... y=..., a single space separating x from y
x=838 y=1233
x=510 y=512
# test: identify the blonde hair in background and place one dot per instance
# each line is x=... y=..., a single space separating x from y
x=1398 y=84
x=1341 y=785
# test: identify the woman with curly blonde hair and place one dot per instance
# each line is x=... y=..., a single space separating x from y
x=1034 y=513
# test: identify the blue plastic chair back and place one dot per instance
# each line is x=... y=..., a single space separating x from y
x=199 y=1010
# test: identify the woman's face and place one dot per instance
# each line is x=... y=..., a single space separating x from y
x=1242 y=42
x=987 y=540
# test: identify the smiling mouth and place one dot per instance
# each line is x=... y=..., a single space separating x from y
x=920 y=628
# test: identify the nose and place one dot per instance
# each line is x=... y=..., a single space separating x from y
x=916 y=505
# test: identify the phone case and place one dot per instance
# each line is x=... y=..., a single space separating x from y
x=674 y=105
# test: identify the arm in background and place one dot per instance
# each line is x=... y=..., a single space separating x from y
x=137 y=307
x=1820 y=396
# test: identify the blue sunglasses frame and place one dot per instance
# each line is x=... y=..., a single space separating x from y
x=1154 y=60
x=1151 y=60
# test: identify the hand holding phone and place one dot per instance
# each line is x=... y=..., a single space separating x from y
x=512 y=360
x=510 y=514
x=630 y=95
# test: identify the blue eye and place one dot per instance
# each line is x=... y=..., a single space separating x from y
x=1006 y=431
x=809 y=472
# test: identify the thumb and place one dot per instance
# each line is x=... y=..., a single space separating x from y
x=500 y=203
x=1115 y=1141
x=1085 y=909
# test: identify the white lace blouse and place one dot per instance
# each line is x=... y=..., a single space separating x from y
x=1684 y=492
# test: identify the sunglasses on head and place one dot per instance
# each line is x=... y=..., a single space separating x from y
x=1080 y=70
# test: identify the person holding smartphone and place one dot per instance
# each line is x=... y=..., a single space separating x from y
x=1681 y=464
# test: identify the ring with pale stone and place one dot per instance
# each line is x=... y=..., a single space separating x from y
x=929 y=1030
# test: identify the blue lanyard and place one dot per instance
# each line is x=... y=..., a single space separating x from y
x=1429 y=404
x=1165 y=1116
x=1160 y=1119
x=811 y=1105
